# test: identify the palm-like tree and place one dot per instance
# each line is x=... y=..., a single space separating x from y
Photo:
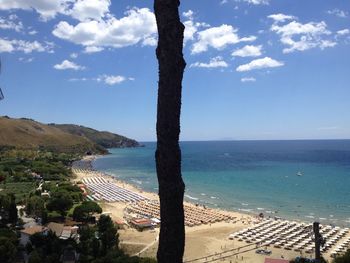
x=168 y=153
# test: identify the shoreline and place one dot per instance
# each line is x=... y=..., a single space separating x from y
x=153 y=195
x=204 y=239
x=268 y=214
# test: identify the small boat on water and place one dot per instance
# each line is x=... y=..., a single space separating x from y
x=299 y=173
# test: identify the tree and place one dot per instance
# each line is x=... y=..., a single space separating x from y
x=8 y=209
x=84 y=211
x=35 y=257
x=35 y=206
x=344 y=258
x=168 y=153
x=60 y=204
x=13 y=213
x=107 y=233
x=7 y=250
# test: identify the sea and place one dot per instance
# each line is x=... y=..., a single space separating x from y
x=302 y=180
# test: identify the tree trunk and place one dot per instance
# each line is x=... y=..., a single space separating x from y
x=168 y=153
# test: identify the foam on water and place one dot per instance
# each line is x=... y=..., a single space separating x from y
x=191 y=197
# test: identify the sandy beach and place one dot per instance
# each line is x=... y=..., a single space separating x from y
x=205 y=240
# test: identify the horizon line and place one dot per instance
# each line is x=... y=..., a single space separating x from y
x=237 y=140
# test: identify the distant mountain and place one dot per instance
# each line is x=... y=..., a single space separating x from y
x=29 y=134
x=103 y=138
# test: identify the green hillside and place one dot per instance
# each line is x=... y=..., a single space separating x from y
x=29 y=134
x=103 y=138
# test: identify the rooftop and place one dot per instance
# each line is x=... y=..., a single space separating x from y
x=33 y=230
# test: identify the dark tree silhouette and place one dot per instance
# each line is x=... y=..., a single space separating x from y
x=168 y=153
x=1 y=94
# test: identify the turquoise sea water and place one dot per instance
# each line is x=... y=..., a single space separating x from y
x=252 y=176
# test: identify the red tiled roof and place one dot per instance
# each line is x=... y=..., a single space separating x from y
x=141 y=221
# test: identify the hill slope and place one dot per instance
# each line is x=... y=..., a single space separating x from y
x=29 y=134
x=103 y=138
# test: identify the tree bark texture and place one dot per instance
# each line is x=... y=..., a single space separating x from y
x=168 y=153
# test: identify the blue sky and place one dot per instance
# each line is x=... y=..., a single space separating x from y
x=256 y=69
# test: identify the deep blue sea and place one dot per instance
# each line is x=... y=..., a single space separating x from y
x=252 y=176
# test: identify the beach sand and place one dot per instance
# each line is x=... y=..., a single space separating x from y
x=201 y=241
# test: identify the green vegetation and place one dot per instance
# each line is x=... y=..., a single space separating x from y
x=83 y=212
x=61 y=202
x=340 y=259
x=102 y=138
x=343 y=259
x=29 y=165
x=100 y=244
x=20 y=189
x=39 y=180
x=35 y=206
x=8 y=249
x=29 y=134
x=8 y=210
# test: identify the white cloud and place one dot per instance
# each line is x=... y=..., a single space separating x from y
x=189 y=14
x=216 y=62
x=112 y=79
x=339 y=13
x=150 y=41
x=261 y=63
x=281 y=17
x=33 y=32
x=106 y=79
x=136 y=26
x=6 y=46
x=190 y=30
x=248 y=51
x=343 y=32
x=191 y=27
x=78 y=79
x=257 y=2
x=11 y=23
x=74 y=55
x=84 y=10
x=66 y=64
x=81 y=10
x=218 y=38
x=250 y=79
x=25 y=60
x=300 y=37
x=46 y=9
x=295 y=28
x=24 y=46
x=327 y=43
x=93 y=49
